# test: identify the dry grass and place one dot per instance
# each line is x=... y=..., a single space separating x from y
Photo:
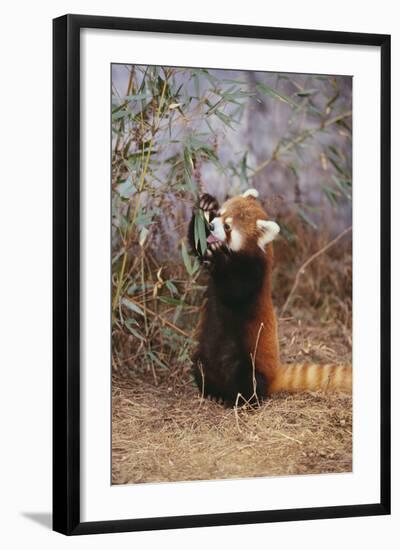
x=166 y=432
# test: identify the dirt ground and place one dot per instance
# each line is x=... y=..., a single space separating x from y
x=166 y=432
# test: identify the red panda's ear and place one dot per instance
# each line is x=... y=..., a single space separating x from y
x=250 y=193
x=269 y=230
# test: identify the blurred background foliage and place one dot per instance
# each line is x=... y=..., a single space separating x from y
x=178 y=132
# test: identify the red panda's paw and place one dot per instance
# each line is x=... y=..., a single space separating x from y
x=216 y=248
x=208 y=203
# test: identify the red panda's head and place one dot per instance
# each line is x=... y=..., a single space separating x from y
x=242 y=224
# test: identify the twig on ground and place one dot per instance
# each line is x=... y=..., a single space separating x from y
x=200 y=367
x=289 y=437
x=253 y=363
x=307 y=263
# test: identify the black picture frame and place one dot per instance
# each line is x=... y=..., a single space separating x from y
x=66 y=273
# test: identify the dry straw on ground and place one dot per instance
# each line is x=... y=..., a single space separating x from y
x=168 y=433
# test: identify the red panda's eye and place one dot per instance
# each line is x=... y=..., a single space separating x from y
x=227 y=227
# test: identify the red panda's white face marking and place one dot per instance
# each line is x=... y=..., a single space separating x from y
x=217 y=230
x=241 y=224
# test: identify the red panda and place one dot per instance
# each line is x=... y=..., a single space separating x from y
x=237 y=355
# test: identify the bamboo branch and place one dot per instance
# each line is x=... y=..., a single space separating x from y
x=141 y=185
x=154 y=314
x=299 y=139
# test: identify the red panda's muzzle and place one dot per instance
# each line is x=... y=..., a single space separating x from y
x=211 y=239
x=218 y=233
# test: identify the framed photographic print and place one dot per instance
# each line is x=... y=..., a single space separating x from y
x=221 y=274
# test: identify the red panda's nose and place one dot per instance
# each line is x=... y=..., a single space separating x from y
x=211 y=226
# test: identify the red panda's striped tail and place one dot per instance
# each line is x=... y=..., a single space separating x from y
x=312 y=377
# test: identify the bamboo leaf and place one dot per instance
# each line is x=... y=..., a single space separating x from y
x=173 y=301
x=137 y=97
x=126 y=189
x=186 y=259
x=307 y=93
x=306 y=217
x=171 y=287
x=200 y=231
x=224 y=118
x=143 y=235
x=336 y=165
x=157 y=360
x=119 y=114
x=187 y=159
x=132 y=306
x=196 y=231
x=135 y=333
x=331 y=195
x=343 y=185
x=268 y=91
